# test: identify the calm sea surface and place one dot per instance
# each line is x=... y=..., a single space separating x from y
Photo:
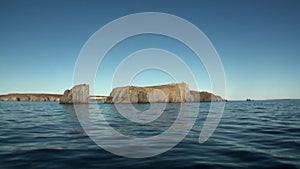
x=257 y=134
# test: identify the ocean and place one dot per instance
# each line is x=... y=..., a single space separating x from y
x=255 y=134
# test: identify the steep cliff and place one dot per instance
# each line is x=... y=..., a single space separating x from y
x=171 y=93
x=78 y=94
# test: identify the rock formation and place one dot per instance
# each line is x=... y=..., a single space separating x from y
x=168 y=93
x=171 y=93
x=78 y=94
x=30 y=97
x=204 y=97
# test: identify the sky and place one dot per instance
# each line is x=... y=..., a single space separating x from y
x=258 y=43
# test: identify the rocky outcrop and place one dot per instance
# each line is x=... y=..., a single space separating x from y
x=164 y=93
x=170 y=93
x=30 y=97
x=78 y=94
x=204 y=97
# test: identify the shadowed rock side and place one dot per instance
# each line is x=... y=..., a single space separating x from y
x=30 y=97
x=78 y=94
x=170 y=93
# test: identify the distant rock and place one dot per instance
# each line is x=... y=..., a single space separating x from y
x=204 y=97
x=30 y=97
x=78 y=94
x=170 y=93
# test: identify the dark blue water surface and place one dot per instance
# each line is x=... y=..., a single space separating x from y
x=256 y=134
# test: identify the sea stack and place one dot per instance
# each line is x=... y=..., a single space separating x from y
x=168 y=93
x=78 y=94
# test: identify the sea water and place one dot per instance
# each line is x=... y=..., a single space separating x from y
x=255 y=134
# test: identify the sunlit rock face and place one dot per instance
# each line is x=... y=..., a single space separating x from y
x=30 y=97
x=168 y=93
x=78 y=94
x=204 y=97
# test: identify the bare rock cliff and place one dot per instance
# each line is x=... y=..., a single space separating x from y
x=78 y=94
x=169 y=93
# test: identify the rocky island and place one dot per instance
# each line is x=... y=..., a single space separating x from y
x=168 y=93
x=30 y=97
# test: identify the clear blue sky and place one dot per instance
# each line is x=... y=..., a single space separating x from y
x=258 y=43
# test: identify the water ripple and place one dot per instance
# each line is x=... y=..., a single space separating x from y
x=258 y=134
